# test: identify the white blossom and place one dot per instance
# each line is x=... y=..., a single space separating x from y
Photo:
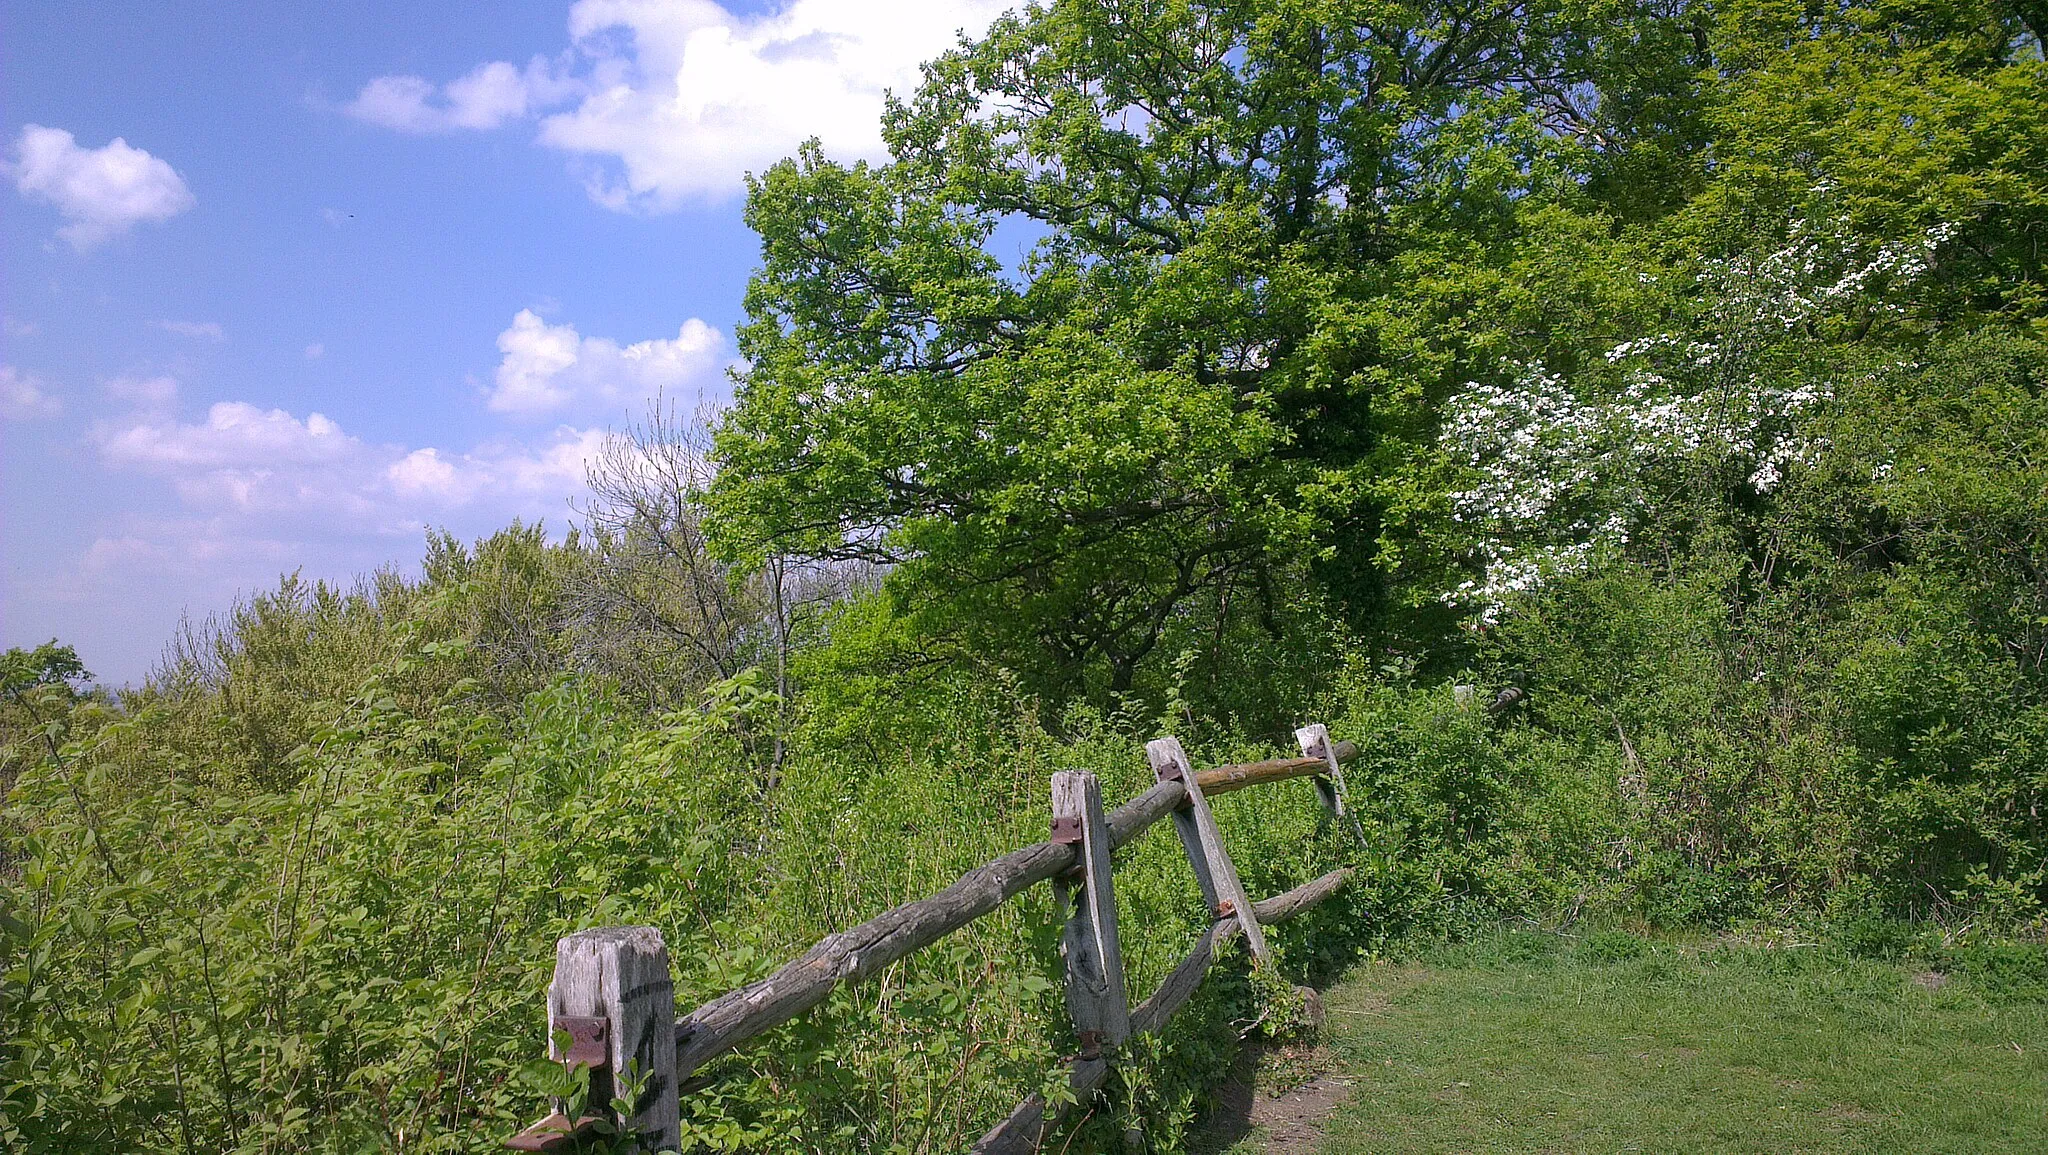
x=1562 y=470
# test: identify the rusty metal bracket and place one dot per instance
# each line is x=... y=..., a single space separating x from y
x=554 y=1133
x=1225 y=908
x=589 y=1040
x=1091 y=1044
x=1067 y=831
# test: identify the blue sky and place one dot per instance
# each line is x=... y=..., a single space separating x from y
x=354 y=273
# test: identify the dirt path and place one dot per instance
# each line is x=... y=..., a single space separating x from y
x=1276 y=1102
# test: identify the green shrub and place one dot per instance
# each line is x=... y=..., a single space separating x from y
x=2004 y=970
x=1672 y=894
x=357 y=961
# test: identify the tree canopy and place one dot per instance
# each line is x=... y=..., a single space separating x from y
x=1155 y=309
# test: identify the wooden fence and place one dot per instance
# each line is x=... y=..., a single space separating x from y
x=612 y=999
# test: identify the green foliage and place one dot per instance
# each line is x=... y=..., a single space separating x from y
x=1842 y=682
x=353 y=961
x=40 y=690
x=1198 y=377
x=345 y=963
x=49 y=664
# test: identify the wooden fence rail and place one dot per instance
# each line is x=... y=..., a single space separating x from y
x=611 y=994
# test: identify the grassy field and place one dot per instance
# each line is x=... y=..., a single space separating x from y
x=1610 y=1043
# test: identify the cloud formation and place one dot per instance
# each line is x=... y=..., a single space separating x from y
x=202 y=330
x=502 y=469
x=551 y=369
x=147 y=393
x=240 y=492
x=268 y=475
x=677 y=100
x=489 y=96
x=235 y=435
x=22 y=397
x=103 y=192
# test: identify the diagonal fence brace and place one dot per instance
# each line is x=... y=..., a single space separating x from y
x=1214 y=871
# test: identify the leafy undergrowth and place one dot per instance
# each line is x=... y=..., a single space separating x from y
x=1529 y=1042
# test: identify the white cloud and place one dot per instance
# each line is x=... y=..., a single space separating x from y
x=315 y=351
x=680 y=98
x=499 y=469
x=255 y=491
x=489 y=96
x=205 y=330
x=243 y=459
x=273 y=473
x=145 y=392
x=703 y=96
x=279 y=474
x=103 y=192
x=254 y=462
x=22 y=397
x=19 y=328
x=235 y=434
x=551 y=368
x=424 y=472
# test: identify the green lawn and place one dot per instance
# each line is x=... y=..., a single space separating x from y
x=1534 y=1043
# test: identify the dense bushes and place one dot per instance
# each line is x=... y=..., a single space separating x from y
x=352 y=960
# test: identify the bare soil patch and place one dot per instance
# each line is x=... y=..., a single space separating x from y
x=1276 y=1101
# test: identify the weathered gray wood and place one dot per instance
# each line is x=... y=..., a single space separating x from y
x=1282 y=907
x=1167 y=763
x=859 y=953
x=1214 y=871
x=1025 y=1129
x=620 y=974
x=1224 y=779
x=852 y=955
x=1315 y=743
x=1094 y=959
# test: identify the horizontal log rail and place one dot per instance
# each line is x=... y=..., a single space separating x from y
x=1224 y=779
x=864 y=951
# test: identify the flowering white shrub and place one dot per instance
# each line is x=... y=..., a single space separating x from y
x=1560 y=470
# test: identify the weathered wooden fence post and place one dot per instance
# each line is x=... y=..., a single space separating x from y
x=1315 y=743
x=1198 y=836
x=613 y=995
x=1096 y=999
